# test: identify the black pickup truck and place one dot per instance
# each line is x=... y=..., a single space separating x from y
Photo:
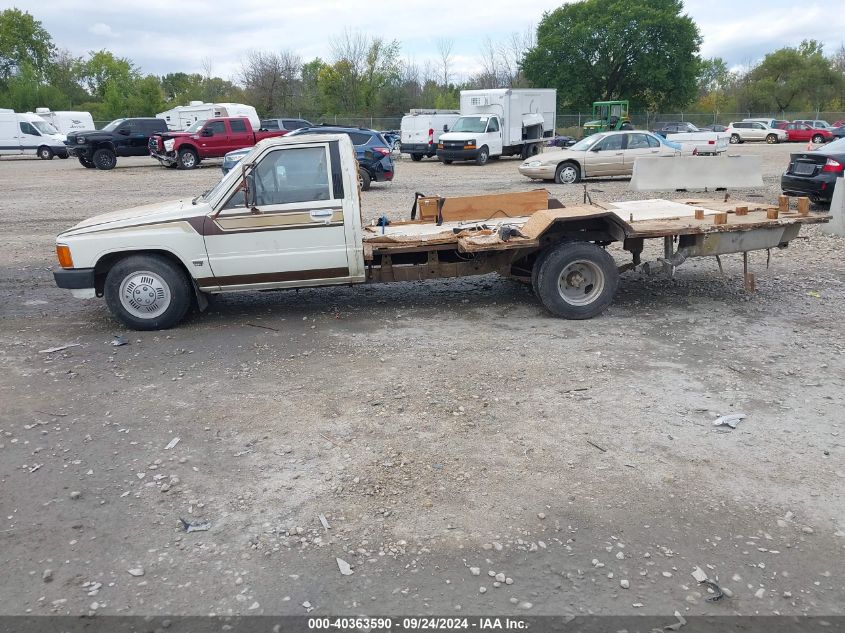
x=121 y=137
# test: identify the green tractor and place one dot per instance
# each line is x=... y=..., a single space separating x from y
x=608 y=115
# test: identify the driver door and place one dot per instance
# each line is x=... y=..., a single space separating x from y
x=605 y=158
x=494 y=136
x=293 y=230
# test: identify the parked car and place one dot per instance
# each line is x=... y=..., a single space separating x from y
x=672 y=127
x=561 y=141
x=29 y=134
x=780 y=124
x=371 y=150
x=814 y=173
x=205 y=139
x=742 y=131
x=770 y=122
x=602 y=154
x=714 y=127
x=121 y=137
x=838 y=132
x=287 y=125
x=804 y=132
x=816 y=123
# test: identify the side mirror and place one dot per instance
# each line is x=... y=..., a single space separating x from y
x=595 y=148
x=207 y=131
x=445 y=128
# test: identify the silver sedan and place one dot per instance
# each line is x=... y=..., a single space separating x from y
x=602 y=154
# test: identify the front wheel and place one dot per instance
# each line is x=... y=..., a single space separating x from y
x=771 y=139
x=87 y=164
x=818 y=139
x=45 y=153
x=416 y=157
x=734 y=139
x=483 y=156
x=147 y=292
x=187 y=159
x=577 y=280
x=446 y=161
x=104 y=159
x=567 y=174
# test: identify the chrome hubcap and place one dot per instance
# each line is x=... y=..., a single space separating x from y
x=145 y=295
x=567 y=175
x=188 y=159
x=581 y=283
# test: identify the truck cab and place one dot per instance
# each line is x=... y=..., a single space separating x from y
x=608 y=116
x=476 y=137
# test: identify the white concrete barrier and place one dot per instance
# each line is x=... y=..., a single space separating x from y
x=696 y=172
x=836 y=226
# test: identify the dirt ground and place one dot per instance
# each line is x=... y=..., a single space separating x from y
x=447 y=431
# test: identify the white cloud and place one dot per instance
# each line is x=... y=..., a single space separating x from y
x=101 y=29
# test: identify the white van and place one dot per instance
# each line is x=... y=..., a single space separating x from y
x=182 y=117
x=66 y=121
x=29 y=134
x=421 y=129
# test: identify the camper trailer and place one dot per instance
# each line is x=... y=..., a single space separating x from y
x=67 y=121
x=182 y=117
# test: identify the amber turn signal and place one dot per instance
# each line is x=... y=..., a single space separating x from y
x=63 y=253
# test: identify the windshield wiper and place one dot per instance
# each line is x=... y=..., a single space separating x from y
x=202 y=195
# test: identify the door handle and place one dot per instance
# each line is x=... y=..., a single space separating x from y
x=323 y=215
x=618 y=154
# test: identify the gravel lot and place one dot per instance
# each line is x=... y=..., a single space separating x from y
x=445 y=430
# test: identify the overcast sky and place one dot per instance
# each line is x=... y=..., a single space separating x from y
x=176 y=35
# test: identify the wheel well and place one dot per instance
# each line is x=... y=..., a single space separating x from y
x=185 y=146
x=106 y=262
x=568 y=161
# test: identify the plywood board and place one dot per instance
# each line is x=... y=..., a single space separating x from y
x=495 y=206
x=639 y=210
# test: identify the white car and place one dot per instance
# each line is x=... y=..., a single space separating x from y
x=602 y=154
x=742 y=131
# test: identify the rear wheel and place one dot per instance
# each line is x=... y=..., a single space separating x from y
x=567 y=174
x=577 y=280
x=818 y=139
x=147 y=292
x=364 y=179
x=416 y=157
x=483 y=156
x=735 y=139
x=104 y=159
x=771 y=139
x=86 y=163
x=45 y=153
x=187 y=159
x=447 y=161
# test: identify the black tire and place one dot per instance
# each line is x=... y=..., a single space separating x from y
x=735 y=140
x=140 y=279
x=364 y=179
x=626 y=126
x=535 y=270
x=447 y=161
x=187 y=159
x=87 y=164
x=104 y=159
x=818 y=139
x=416 y=157
x=45 y=153
x=482 y=156
x=577 y=280
x=771 y=139
x=568 y=173
x=63 y=156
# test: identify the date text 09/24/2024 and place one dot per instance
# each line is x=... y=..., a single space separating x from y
x=375 y=624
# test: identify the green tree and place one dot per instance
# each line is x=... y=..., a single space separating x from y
x=592 y=50
x=23 y=40
x=103 y=71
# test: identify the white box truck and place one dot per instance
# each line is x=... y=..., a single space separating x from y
x=182 y=117
x=29 y=135
x=500 y=122
x=421 y=130
x=67 y=121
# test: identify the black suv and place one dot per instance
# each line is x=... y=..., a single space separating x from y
x=371 y=150
x=121 y=137
x=284 y=124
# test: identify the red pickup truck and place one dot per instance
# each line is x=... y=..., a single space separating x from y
x=206 y=139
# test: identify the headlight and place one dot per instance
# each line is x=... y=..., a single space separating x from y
x=80 y=140
x=534 y=163
x=168 y=145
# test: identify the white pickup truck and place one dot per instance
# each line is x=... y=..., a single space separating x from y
x=290 y=216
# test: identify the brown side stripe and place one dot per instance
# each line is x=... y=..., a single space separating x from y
x=266 y=278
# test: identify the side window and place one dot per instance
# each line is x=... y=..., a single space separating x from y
x=637 y=141
x=27 y=128
x=293 y=124
x=132 y=126
x=267 y=124
x=238 y=125
x=292 y=175
x=759 y=126
x=359 y=138
x=217 y=127
x=612 y=143
x=652 y=142
x=493 y=126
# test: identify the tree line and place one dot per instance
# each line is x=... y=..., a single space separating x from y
x=590 y=50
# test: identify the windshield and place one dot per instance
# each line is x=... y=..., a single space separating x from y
x=585 y=143
x=475 y=124
x=837 y=146
x=44 y=127
x=113 y=125
x=195 y=126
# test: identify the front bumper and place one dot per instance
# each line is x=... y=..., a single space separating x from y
x=165 y=158
x=543 y=172
x=79 y=151
x=457 y=154
x=74 y=278
x=818 y=187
